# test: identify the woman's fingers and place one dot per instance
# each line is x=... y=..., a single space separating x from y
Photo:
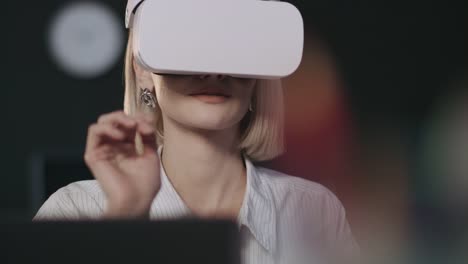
x=145 y=125
x=101 y=133
x=147 y=129
x=149 y=143
x=117 y=128
x=117 y=118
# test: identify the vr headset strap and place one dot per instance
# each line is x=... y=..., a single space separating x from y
x=132 y=5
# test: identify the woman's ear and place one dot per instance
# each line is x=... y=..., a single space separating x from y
x=143 y=77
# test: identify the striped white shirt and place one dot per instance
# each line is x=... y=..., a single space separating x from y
x=283 y=219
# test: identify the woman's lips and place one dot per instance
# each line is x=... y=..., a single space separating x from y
x=211 y=98
x=211 y=94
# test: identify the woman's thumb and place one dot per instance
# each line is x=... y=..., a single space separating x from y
x=147 y=142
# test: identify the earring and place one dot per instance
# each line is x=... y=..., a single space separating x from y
x=250 y=107
x=147 y=98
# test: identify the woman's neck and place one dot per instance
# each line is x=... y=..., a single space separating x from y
x=206 y=169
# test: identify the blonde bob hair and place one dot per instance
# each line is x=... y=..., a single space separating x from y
x=261 y=130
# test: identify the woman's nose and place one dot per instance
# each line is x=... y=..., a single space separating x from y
x=218 y=77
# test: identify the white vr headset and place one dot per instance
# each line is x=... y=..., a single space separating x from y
x=240 y=38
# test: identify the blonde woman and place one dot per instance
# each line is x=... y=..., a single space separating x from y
x=185 y=146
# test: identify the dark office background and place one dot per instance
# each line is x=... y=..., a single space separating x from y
x=398 y=65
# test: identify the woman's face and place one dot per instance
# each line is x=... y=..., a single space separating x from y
x=209 y=102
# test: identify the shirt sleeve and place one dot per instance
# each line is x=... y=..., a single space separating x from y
x=67 y=205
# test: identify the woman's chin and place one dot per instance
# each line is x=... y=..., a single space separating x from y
x=210 y=125
x=205 y=116
x=209 y=121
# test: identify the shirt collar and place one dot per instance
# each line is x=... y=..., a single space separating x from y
x=257 y=212
x=167 y=204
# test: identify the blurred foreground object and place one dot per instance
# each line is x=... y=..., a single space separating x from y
x=184 y=241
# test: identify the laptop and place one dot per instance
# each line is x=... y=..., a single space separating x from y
x=122 y=241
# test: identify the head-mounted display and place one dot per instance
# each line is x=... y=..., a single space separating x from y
x=242 y=38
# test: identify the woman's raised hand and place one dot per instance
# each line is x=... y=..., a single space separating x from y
x=129 y=179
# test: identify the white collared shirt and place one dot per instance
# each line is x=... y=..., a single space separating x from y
x=283 y=219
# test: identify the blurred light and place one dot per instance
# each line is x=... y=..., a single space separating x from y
x=85 y=39
x=445 y=152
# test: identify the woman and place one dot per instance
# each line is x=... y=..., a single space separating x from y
x=209 y=129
